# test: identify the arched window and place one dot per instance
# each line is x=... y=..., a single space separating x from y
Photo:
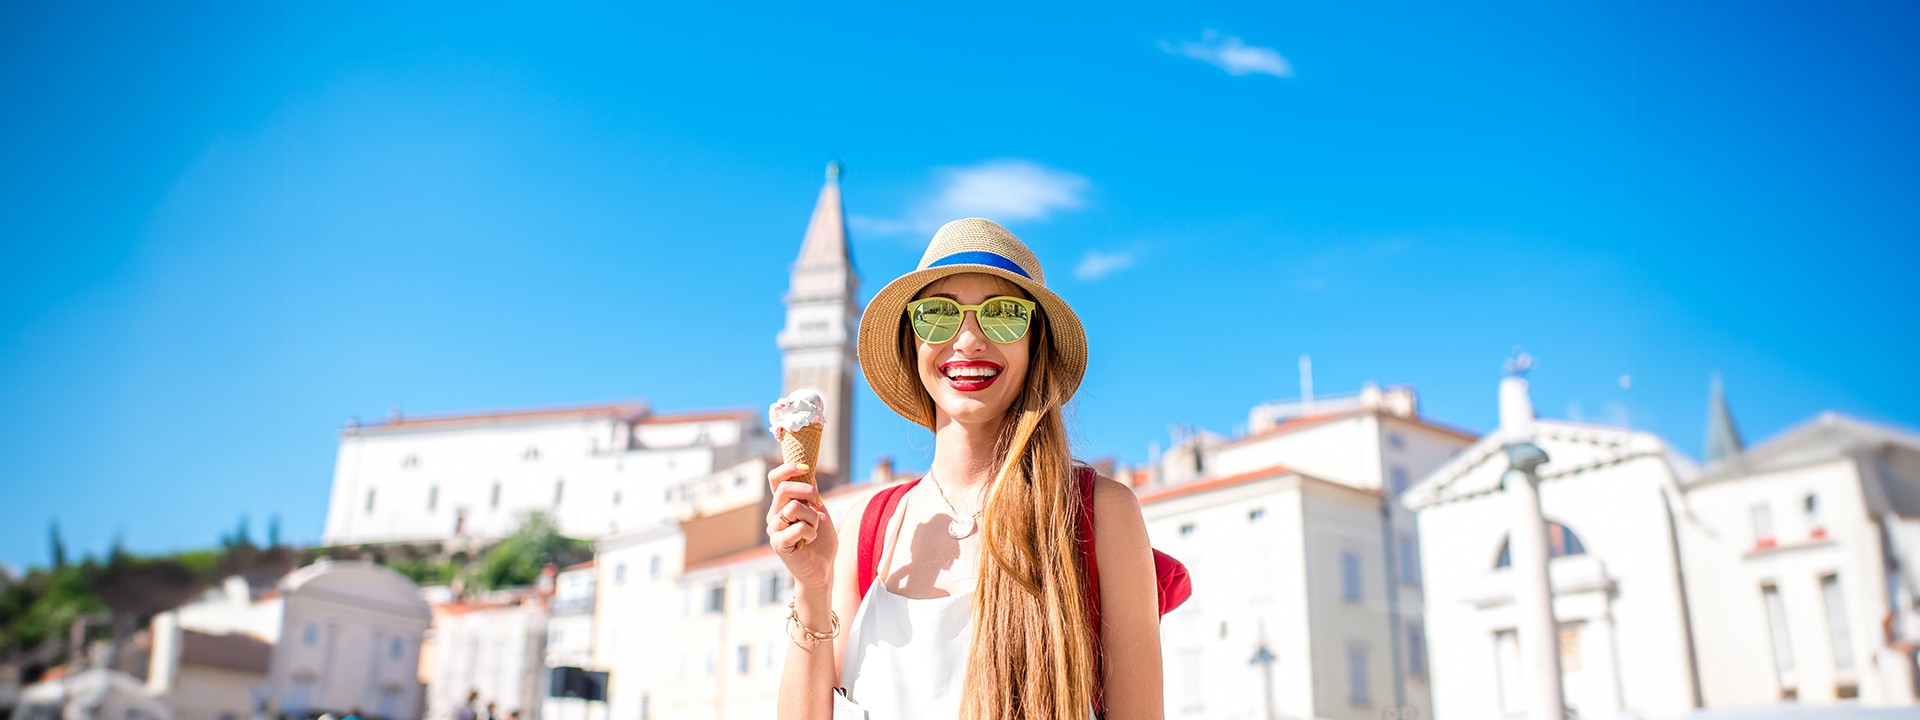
x=1561 y=542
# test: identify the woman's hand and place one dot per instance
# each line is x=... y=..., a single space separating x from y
x=800 y=531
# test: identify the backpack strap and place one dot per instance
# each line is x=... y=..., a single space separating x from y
x=1085 y=476
x=873 y=524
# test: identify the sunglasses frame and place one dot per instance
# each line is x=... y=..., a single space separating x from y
x=1029 y=305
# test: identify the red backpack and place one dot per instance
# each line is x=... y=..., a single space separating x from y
x=1175 y=586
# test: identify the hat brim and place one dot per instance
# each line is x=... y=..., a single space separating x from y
x=894 y=378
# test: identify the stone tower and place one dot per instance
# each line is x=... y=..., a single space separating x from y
x=817 y=343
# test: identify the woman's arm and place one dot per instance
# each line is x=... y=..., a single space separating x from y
x=823 y=572
x=1129 y=604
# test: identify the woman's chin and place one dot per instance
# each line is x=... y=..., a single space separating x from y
x=968 y=411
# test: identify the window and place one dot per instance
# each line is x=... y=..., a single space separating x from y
x=646 y=706
x=411 y=462
x=1416 y=649
x=745 y=658
x=616 y=497
x=559 y=489
x=1762 y=525
x=1570 y=646
x=1396 y=442
x=620 y=574
x=1561 y=542
x=1255 y=514
x=717 y=597
x=1777 y=620
x=1186 y=530
x=433 y=498
x=1836 y=602
x=493 y=501
x=1349 y=576
x=775 y=587
x=653 y=567
x=1506 y=656
x=1359 y=687
x=1409 y=562
x=369 y=501
x=395 y=648
x=1397 y=480
x=532 y=454
x=1816 y=528
x=311 y=635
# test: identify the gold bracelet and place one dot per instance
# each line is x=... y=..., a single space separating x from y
x=809 y=637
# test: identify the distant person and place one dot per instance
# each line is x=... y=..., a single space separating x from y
x=513 y=714
x=492 y=712
x=353 y=714
x=465 y=711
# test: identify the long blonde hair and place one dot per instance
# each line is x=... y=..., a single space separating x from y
x=1032 y=655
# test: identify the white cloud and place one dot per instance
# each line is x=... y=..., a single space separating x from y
x=1095 y=264
x=1232 y=54
x=1000 y=190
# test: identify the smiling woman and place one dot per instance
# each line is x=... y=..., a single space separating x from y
x=985 y=589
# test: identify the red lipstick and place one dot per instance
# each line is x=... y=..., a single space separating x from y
x=970 y=375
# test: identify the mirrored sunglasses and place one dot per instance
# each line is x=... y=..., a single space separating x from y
x=1003 y=319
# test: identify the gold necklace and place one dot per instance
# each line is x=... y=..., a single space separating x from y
x=959 y=527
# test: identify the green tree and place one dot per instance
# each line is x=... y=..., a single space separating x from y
x=518 y=559
x=56 y=545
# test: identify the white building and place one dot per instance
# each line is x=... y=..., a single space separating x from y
x=1614 y=565
x=570 y=631
x=691 y=615
x=1800 y=566
x=1307 y=596
x=209 y=659
x=596 y=470
x=349 y=638
x=493 y=644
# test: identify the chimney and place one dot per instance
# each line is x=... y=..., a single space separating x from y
x=882 y=471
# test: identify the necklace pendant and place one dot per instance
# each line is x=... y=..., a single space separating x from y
x=960 y=528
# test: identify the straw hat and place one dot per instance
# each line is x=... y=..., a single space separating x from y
x=973 y=245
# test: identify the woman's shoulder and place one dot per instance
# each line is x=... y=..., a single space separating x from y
x=1108 y=492
x=1111 y=498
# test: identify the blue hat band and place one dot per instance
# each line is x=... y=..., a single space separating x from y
x=980 y=257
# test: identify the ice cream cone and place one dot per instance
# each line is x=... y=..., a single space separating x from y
x=802 y=446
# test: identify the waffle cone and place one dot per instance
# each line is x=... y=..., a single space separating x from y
x=802 y=446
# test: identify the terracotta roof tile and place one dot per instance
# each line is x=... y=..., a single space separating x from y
x=1200 y=486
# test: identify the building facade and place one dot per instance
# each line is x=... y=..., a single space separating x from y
x=350 y=637
x=1800 y=562
x=1307 y=588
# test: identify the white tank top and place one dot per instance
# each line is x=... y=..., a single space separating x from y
x=907 y=657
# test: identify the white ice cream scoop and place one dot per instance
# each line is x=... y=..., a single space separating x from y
x=802 y=408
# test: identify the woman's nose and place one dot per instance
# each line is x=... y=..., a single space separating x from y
x=970 y=338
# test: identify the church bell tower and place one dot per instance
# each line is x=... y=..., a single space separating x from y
x=817 y=344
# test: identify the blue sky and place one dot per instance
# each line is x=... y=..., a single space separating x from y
x=225 y=231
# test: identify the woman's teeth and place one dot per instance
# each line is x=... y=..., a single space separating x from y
x=981 y=372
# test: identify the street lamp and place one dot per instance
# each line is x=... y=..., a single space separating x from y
x=1264 y=659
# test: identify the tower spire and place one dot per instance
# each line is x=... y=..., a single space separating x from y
x=825 y=243
x=1723 y=439
x=817 y=343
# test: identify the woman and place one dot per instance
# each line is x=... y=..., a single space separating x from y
x=980 y=606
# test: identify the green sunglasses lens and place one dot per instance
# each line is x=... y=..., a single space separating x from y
x=1004 y=320
x=936 y=320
